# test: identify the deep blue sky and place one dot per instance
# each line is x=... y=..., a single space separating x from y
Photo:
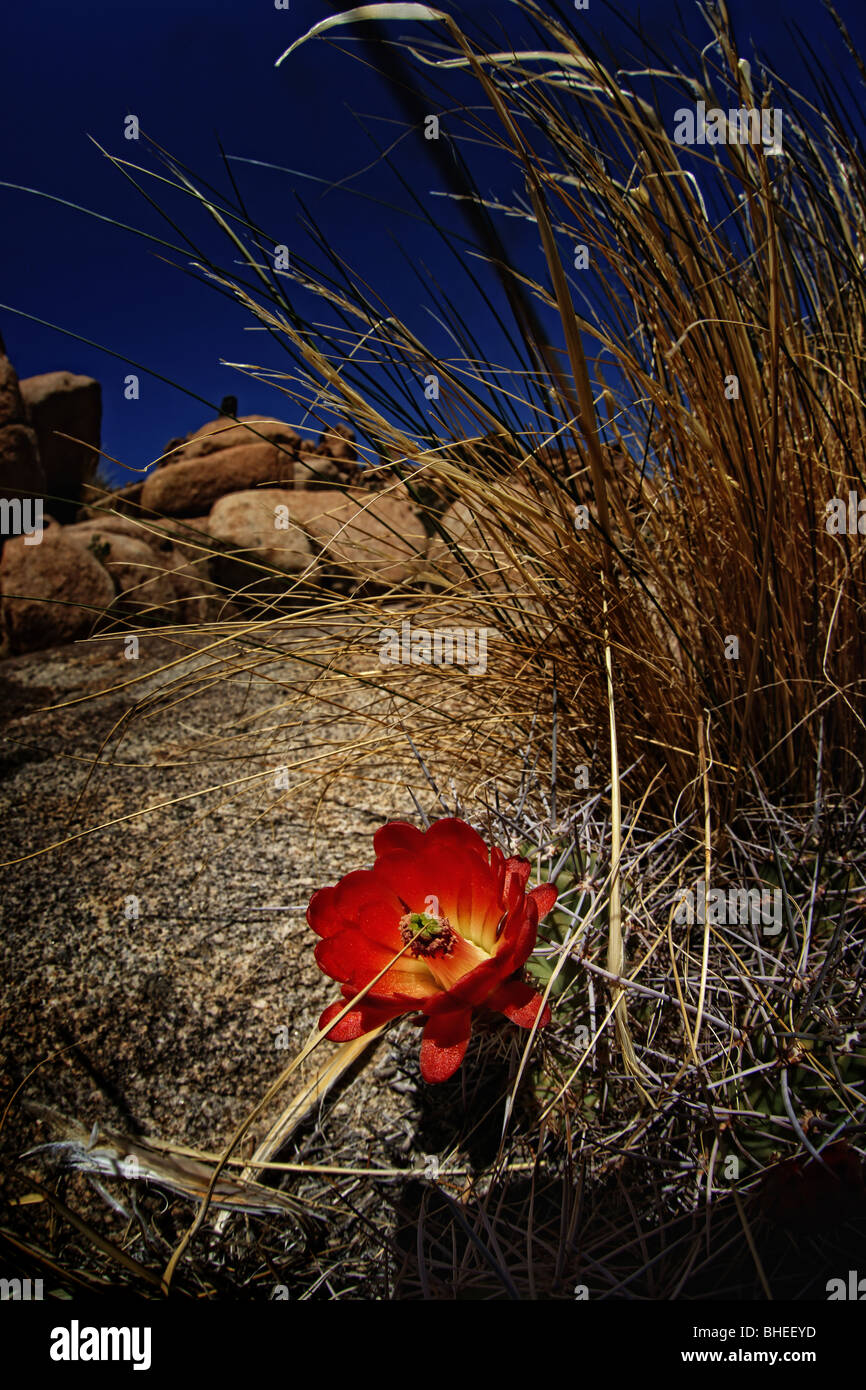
x=197 y=70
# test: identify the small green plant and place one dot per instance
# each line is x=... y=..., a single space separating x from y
x=99 y=549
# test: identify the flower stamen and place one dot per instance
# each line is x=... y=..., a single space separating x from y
x=428 y=935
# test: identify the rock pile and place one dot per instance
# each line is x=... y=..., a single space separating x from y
x=241 y=504
x=241 y=509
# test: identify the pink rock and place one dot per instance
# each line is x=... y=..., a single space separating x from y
x=120 y=499
x=374 y=538
x=61 y=403
x=252 y=524
x=52 y=592
x=316 y=470
x=153 y=569
x=339 y=442
x=137 y=569
x=12 y=409
x=192 y=486
x=21 y=470
x=224 y=433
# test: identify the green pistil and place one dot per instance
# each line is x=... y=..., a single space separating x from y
x=427 y=935
x=429 y=927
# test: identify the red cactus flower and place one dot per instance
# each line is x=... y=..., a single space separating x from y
x=808 y=1196
x=466 y=919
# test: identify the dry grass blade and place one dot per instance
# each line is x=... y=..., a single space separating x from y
x=300 y=1106
x=105 y=1153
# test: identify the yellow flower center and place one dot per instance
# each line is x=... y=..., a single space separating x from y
x=445 y=951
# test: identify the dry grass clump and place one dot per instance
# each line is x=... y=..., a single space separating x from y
x=702 y=404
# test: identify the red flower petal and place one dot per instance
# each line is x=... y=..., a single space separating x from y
x=358 y=1021
x=516 y=876
x=360 y=890
x=444 y=1044
x=321 y=915
x=520 y=1003
x=497 y=865
x=412 y=878
x=519 y=935
x=467 y=892
x=452 y=833
x=381 y=922
x=544 y=896
x=454 y=883
x=352 y=957
x=398 y=834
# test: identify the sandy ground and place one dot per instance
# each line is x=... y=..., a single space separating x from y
x=141 y=977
